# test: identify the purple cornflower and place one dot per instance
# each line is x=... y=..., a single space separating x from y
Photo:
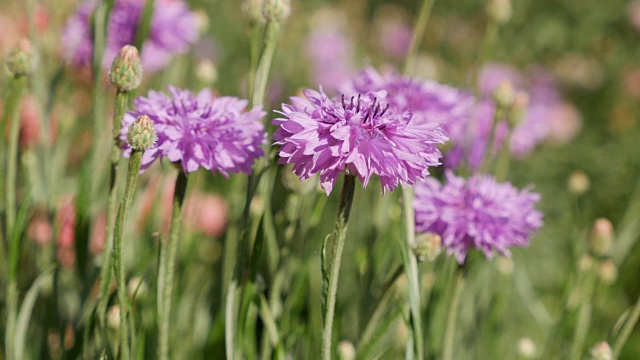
x=537 y=85
x=430 y=102
x=200 y=130
x=359 y=134
x=476 y=213
x=172 y=30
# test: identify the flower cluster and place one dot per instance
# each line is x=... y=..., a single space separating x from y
x=430 y=102
x=535 y=121
x=172 y=30
x=200 y=130
x=359 y=134
x=476 y=213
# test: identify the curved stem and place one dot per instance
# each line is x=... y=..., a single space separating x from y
x=418 y=32
x=172 y=249
x=452 y=316
x=330 y=280
x=627 y=329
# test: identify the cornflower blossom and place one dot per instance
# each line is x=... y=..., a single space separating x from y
x=358 y=134
x=172 y=29
x=476 y=213
x=430 y=102
x=200 y=130
x=535 y=124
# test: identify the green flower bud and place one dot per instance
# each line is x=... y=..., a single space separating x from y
x=499 y=11
x=252 y=9
x=601 y=351
x=504 y=95
x=126 y=69
x=607 y=272
x=276 y=10
x=578 y=183
x=601 y=238
x=428 y=246
x=20 y=61
x=518 y=108
x=142 y=135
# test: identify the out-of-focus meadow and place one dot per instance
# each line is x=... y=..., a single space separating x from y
x=555 y=299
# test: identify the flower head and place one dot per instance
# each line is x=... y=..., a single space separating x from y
x=358 y=134
x=476 y=213
x=430 y=102
x=126 y=69
x=20 y=61
x=173 y=28
x=200 y=130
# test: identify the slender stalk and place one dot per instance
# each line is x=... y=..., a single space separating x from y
x=504 y=158
x=118 y=249
x=418 y=33
x=121 y=101
x=11 y=115
x=488 y=153
x=629 y=232
x=337 y=244
x=264 y=66
x=627 y=329
x=452 y=316
x=172 y=249
x=584 y=316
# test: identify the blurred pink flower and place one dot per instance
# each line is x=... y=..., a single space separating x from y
x=65 y=222
x=631 y=83
x=394 y=36
x=206 y=213
x=98 y=234
x=633 y=14
x=565 y=123
x=40 y=230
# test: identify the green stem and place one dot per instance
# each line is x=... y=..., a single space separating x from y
x=337 y=244
x=504 y=158
x=172 y=249
x=452 y=316
x=264 y=66
x=11 y=115
x=584 y=316
x=121 y=101
x=629 y=228
x=627 y=329
x=488 y=153
x=411 y=269
x=144 y=24
x=118 y=248
x=418 y=33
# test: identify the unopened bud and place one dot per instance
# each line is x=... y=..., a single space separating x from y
x=346 y=350
x=518 y=108
x=126 y=69
x=276 y=10
x=601 y=238
x=527 y=348
x=142 y=135
x=578 y=182
x=113 y=317
x=207 y=72
x=601 y=351
x=428 y=246
x=607 y=272
x=504 y=95
x=20 y=61
x=586 y=263
x=252 y=9
x=499 y=11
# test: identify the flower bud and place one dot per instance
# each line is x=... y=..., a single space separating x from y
x=252 y=9
x=126 y=69
x=276 y=10
x=142 y=135
x=206 y=72
x=499 y=11
x=346 y=350
x=601 y=351
x=578 y=182
x=428 y=246
x=20 y=61
x=601 y=238
x=607 y=272
x=527 y=348
x=518 y=108
x=113 y=317
x=504 y=95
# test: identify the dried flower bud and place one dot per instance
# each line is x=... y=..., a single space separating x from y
x=346 y=350
x=578 y=182
x=252 y=9
x=428 y=246
x=601 y=238
x=607 y=272
x=499 y=11
x=142 y=135
x=601 y=351
x=20 y=61
x=276 y=10
x=504 y=95
x=126 y=69
x=527 y=348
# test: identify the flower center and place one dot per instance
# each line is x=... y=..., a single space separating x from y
x=368 y=109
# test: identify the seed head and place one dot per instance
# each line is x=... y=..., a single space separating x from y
x=20 y=61
x=276 y=10
x=126 y=69
x=142 y=135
